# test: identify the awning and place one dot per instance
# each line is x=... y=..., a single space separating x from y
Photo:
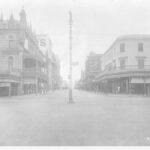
x=29 y=81
x=4 y=84
x=147 y=80
x=140 y=80
x=8 y=81
x=137 y=80
x=138 y=76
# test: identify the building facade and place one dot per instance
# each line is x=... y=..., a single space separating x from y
x=55 y=73
x=126 y=66
x=23 y=67
x=53 y=63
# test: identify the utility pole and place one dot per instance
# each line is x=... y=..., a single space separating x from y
x=36 y=74
x=70 y=57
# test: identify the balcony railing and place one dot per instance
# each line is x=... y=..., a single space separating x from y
x=32 y=72
x=125 y=69
x=26 y=72
x=12 y=71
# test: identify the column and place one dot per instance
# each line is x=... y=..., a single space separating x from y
x=20 y=88
x=129 y=85
x=9 y=89
x=144 y=84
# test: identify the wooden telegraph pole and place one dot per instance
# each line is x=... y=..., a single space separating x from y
x=36 y=74
x=70 y=58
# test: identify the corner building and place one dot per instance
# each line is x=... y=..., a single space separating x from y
x=22 y=65
x=126 y=64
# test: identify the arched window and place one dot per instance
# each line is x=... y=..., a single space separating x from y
x=11 y=41
x=10 y=63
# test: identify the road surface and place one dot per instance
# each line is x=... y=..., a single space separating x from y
x=94 y=119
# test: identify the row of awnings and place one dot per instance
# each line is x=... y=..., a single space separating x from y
x=29 y=81
x=140 y=80
x=136 y=74
x=8 y=81
x=133 y=80
x=4 y=84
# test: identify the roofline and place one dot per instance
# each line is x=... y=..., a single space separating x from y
x=128 y=37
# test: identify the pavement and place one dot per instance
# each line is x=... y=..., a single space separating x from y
x=92 y=120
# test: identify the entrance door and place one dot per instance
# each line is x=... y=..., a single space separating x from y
x=4 y=91
x=148 y=89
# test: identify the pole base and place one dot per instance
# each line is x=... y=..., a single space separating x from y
x=70 y=97
x=71 y=102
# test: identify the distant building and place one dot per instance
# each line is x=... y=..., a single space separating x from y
x=55 y=73
x=126 y=65
x=53 y=63
x=92 y=69
x=22 y=65
x=92 y=65
x=64 y=84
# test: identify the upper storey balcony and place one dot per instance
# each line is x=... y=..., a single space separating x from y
x=9 y=73
x=33 y=68
x=125 y=71
x=9 y=65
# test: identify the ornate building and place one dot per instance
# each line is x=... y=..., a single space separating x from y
x=23 y=67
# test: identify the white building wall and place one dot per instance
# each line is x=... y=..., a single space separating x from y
x=107 y=59
x=131 y=52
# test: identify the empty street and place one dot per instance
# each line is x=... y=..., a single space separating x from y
x=93 y=119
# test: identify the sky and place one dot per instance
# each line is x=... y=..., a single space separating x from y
x=96 y=24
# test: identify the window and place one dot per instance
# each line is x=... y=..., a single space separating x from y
x=141 y=63
x=11 y=41
x=140 y=47
x=109 y=67
x=122 y=47
x=10 y=63
x=122 y=63
x=114 y=64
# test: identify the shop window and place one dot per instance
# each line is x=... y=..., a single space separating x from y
x=11 y=41
x=140 y=47
x=122 y=63
x=122 y=47
x=141 y=63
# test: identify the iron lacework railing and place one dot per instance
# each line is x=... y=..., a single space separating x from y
x=10 y=71
x=33 y=72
